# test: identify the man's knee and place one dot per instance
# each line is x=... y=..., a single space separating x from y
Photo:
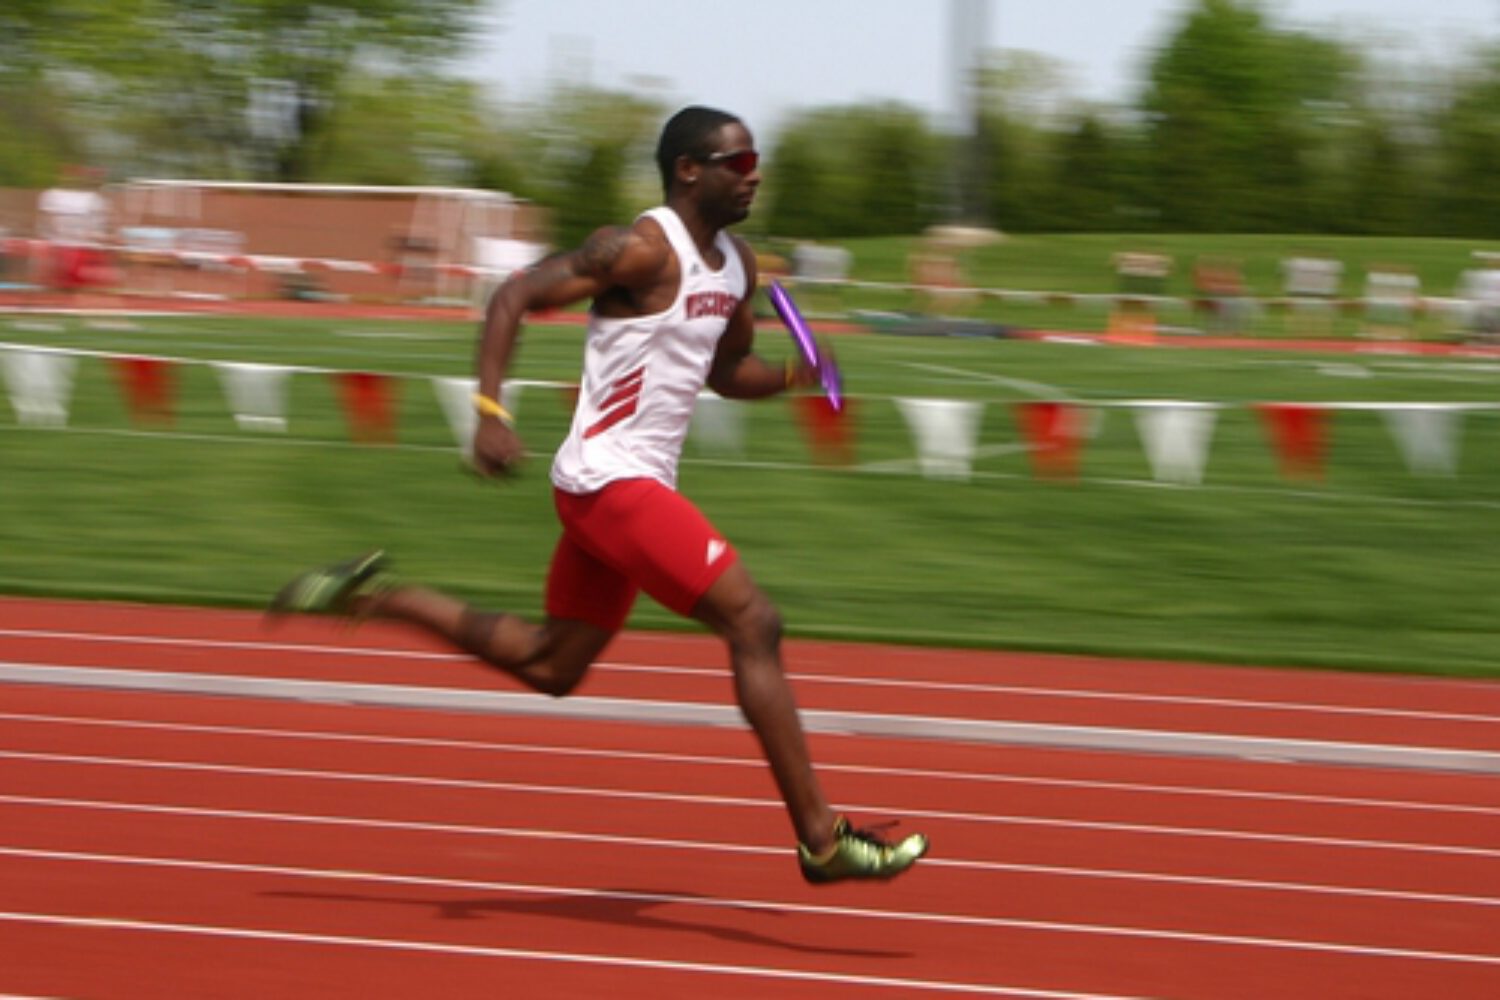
x=559 y=680
x=566 y=651
x=755 y=622
x=739 y=612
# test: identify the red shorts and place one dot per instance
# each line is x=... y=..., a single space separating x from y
x=634 y=534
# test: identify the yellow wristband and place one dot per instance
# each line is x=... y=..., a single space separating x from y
x=791 y=372
x=491 y=408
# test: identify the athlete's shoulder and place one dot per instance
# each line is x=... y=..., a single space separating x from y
x=624 y=255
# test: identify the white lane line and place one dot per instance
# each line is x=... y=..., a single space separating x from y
x=719 y=847
x=891 y=916
x=755 y=763
x=561 y=958
x=699 y=799
x=355 y=652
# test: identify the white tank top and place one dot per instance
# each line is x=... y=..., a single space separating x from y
x=642 y=374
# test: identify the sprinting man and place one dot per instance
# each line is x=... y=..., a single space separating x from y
x=671 y=312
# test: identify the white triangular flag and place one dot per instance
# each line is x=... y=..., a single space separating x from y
x=718 y=424
x=456 y=397
x=1427 y=434
x=40 y=383
x=1176 y=436
x=256 y=393
x=944 y=431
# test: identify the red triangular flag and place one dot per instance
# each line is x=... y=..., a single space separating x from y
x=1053 y=431
x=1298 y=432
x=147 y=385
x=830 y=432
x=369 y=405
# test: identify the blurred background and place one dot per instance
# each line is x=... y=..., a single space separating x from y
x=1311 y=169
x=878 y=118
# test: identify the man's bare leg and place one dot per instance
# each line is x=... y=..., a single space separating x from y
x=736 y=609
x=551 y=657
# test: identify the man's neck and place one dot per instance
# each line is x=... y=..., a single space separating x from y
x=701 y=230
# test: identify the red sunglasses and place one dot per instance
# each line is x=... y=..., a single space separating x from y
x=741 y=161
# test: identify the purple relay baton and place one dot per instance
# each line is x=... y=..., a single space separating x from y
x=828 y=370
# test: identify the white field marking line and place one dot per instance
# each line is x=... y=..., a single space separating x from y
x=548 y=749
x=585 y=791
x=899 y=916
x=561 y=958
x=801 y=678
x=1039 y=389
x=713 y=847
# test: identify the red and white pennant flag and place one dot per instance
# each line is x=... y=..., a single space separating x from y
x=718 y=425
x=1175 y=435
x=1053 y=431
x=40 y=382
x=369 y=405
x=148 y=386
x=256 y=393
x=1299 y=431
x=945 y=432
x=1427 y=434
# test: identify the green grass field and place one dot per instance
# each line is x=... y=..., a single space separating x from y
x=1373 y=567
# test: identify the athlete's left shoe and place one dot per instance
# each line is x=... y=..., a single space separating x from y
x=860 y=854
x=332 y=590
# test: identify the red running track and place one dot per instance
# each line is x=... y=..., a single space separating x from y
x=164 y=844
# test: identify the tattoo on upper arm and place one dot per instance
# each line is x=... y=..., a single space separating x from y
x=600 y=251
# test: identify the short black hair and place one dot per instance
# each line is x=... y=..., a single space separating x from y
x=687 y=134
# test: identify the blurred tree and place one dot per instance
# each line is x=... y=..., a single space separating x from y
x=1087 y=187
x=251 y=87
x=1469 y=148
x=856 y=170
x=592 y=192
x=890 y=163
x=795 y=184
x=1383 y=196
x=587 y=154
x=1016 y=186
x=1228 y=111
x=38 y=127
x=1023 y=100
x=402 y=130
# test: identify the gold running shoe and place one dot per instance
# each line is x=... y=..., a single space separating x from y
x=860 y=854
x=329 y=591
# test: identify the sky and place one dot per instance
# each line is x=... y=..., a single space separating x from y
x=765 y=59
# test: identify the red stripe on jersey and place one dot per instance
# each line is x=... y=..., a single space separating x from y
x=626 y=387
x=611 y=418
x=624 y=400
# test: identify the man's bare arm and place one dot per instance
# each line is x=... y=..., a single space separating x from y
x=737 y=371
x=611 y=257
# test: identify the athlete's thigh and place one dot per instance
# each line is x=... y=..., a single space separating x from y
x=583 y=588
